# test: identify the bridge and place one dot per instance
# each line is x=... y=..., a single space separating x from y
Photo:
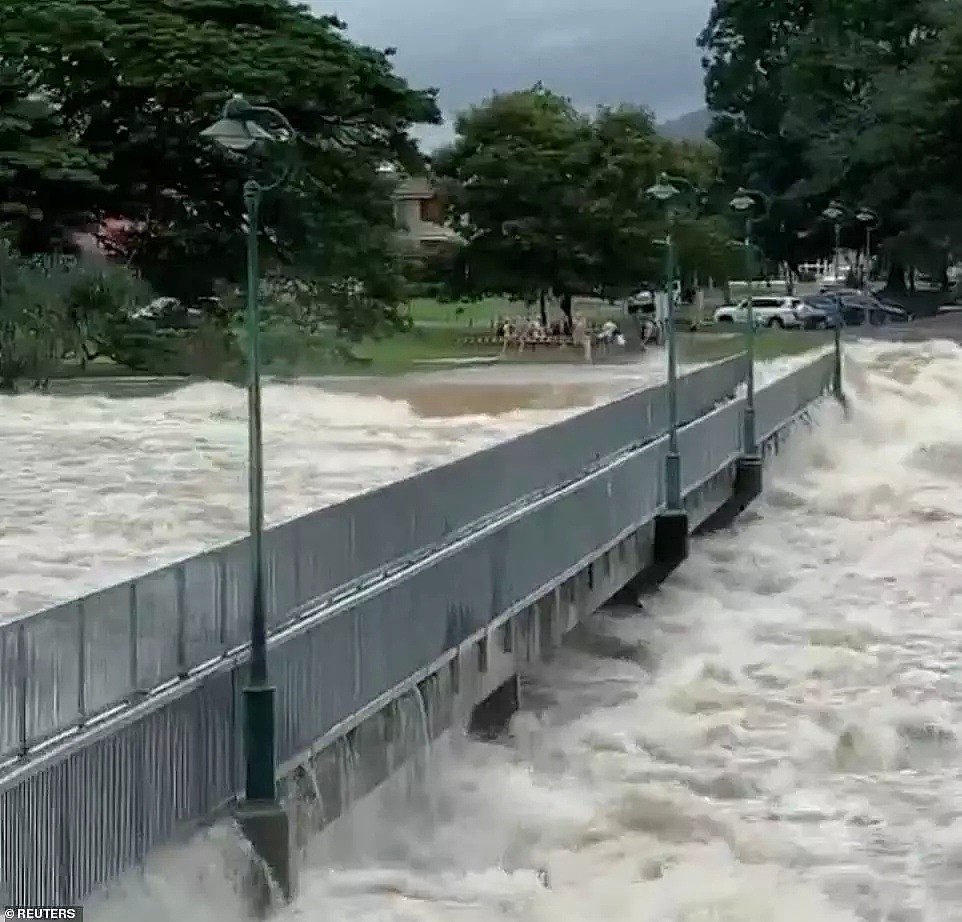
x=393 y=616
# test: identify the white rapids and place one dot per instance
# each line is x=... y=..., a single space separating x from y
x=98 y=489
x=775 y=739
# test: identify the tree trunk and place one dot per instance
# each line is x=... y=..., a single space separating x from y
x=896 y=278
x=565 y=305
x=543 y=307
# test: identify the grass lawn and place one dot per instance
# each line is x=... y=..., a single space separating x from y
x=481 y=315
x=440 y=333
x=416 y=350
x=769 y=344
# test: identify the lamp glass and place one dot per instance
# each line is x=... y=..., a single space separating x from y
x=230 y=133
x=662 y=191
x=742 y=202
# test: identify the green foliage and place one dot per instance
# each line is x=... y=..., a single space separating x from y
x=135 y=81
x=57 y=311
x=853 y=100
x=549 y=200
x=48 y=182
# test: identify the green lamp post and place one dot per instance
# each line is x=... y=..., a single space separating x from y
x=869 y=219
x=666 y=190
x=836 y=213
x=748 y=202
x=247 y=133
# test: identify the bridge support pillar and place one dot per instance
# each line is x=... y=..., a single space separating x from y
x=748 y=480
x=267 y=828
x=490 y=718
x=671 y=542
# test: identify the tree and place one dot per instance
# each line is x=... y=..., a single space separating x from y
x=549 y=200
x=48 y=182
x=511 y=180
x=135 y=81
x=816 y=100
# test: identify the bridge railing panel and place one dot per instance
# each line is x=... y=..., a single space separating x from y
x=787 y=396
x=700 y=390
x=76 y=823
x=10 y=694
x=110 y=647
x=710 y=443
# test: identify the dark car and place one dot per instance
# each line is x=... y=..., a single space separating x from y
x=823 y=312
x=854 y=309
x=859 y=309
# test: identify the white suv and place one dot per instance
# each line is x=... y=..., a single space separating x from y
x=784 y=313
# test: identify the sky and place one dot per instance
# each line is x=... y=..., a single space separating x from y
x=603 y=52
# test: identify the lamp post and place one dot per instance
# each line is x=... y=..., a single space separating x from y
x=746 y=202
x=835 y=212
x=870 y=221
x=246 y=131
x=665 y=190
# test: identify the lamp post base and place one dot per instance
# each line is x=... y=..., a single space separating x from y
x=671 y=542
x=748 y=480
x=271 y=878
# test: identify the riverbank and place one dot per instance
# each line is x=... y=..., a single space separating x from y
x=436 y=348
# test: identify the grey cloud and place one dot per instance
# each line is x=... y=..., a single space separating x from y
x=604 y=52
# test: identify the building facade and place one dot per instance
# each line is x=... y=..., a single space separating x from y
x=420 y=213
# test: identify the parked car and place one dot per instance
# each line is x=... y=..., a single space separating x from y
x=863 y=308
x=778 y=312
x=824 y=312
x=640 y=300
x=645 y=297
x=857 y=308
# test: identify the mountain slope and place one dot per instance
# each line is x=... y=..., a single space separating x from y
x=692 y=126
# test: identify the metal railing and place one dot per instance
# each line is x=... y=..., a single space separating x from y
x=75 y=817
x=68 y=665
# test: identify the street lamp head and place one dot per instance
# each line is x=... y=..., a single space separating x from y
x=743 y=201
x=236 y=135
x=237 y=129
x=866 y=216
x=834 y=211
x=662 y=190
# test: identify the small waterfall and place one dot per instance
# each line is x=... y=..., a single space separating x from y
x=348 y=765
x=411 y=751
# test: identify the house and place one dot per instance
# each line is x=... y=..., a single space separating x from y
x=420 y=213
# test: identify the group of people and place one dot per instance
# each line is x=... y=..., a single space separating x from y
x=524 y=332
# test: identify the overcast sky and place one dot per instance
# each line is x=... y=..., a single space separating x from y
x=606 y=51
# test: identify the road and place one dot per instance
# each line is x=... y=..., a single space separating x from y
x=775 y=739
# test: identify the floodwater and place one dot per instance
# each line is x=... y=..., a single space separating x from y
x=114 y=479
x=775 y=738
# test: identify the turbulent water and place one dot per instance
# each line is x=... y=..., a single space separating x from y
x=775 y=739
x=100 y=488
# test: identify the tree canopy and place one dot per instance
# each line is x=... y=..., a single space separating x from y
x=133 y=82
x=850 y=100
x=550 y=200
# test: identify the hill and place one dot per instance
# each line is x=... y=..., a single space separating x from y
x=692 y=126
